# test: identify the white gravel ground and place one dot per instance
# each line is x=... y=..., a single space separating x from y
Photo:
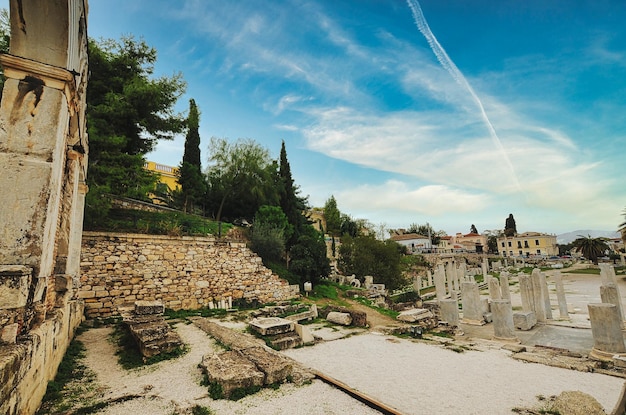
x=414 y=377
x=174 y=385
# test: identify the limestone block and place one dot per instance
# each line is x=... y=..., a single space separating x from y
x=271 y=325
x=524 y=320
x=14 y=286
x=488 y=317
x=344 y=319
x=149 y=307
x=8 y=334
x=62 y=282
x=232 y=371
x=305 y=334
x=275 y=366
x=415 y=314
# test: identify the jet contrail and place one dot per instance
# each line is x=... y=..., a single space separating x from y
x=456 y=74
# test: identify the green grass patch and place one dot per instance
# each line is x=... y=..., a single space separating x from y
x=281 y=270
x=591 y=271
x=384 y=311
x=70 y=368
x=203 y=312
x=157 y=223
x=201 y=410
x=73 y=384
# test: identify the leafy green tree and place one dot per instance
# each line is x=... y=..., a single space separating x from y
x=473 y=229
x=427 y=230
x=190 y=177
x=510 y=228
x=365 y=255
x=268 y=241
x=127 y=113
x=591 y=248
x=293 y=205
x=492 y=240
x=308 y=256
x=332 y=215
x=240 y=179
x=349 y=226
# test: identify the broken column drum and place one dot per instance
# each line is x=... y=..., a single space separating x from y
x=472 y=309
x=609 y=294
x=449 y=309
x=606 y=329
x=503 y=320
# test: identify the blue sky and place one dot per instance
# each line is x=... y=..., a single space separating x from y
x=477 y=110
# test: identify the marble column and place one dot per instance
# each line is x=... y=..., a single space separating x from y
x=610 y=295
x=504 y=286
x=560 y=294
x=449 y=308
x=503 y=328
x=472 y=308
x=538 y=296
x=606 y=327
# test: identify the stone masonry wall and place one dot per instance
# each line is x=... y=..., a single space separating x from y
x=182 y=272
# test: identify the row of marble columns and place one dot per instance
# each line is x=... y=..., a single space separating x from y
x=607 y=318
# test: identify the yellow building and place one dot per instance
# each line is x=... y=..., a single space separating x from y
x=168 y=176
x=528 y=244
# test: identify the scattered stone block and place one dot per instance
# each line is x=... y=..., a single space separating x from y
x=8 y=333
x=285 y=341
x=147 y=325
x=149 y=307
x=305 y=334
x=524 y=320
x=415 y=314
x=269 y=326
x=515 y=348
x=488 y=317
x=619 y=361
x=14 y=285
x=231 y=370
x=336 y=317
x=275 y=366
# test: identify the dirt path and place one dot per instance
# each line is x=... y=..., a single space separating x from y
x=374 y=318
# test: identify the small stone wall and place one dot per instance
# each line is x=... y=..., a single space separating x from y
x=182 y=272
x=28 y=365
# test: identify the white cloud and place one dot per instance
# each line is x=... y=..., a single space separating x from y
x=399 y=196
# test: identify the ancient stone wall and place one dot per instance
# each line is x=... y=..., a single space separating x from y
x=43 y=152
x=182 y=272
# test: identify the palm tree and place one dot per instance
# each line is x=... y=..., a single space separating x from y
x=591 y=248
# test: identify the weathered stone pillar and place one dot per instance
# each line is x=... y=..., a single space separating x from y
x=494 y=289
x=560 y=294
x=503 y=320
x=485 y=270
x=610 y=295
x=545 y=291
x=472 y=307
x=526 y=292
x=440 y=283
x=538 y=296
x=606 y=329
x=504 y=286
x=449 y=311
x=607 y=275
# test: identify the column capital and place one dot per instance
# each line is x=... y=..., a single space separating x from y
x=16 y=67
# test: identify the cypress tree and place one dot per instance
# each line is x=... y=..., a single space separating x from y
x=292 y=205
x=190 y=174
